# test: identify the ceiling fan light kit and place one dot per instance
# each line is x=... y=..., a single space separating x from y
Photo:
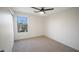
x=41 y=13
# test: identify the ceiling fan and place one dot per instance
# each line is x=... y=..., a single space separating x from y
x=42 y=10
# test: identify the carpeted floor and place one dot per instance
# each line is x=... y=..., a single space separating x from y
x=40 y=44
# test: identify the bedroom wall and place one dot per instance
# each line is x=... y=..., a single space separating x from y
x=64 y=27
x=6 y=30
x=35 y=26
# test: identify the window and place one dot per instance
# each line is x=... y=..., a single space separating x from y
x=22 y=24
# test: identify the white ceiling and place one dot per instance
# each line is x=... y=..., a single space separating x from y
x=31 y=10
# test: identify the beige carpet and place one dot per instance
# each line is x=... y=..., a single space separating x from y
x=40 y=44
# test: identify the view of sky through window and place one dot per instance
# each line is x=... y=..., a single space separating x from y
x=22 y=19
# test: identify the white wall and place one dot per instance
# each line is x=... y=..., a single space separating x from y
x=35 y=26
x=64 y=27
x=6 y=30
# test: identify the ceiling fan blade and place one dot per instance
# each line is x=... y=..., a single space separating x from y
x=40 y=12
x=35 y=8
x=48 y=9
x=36 y=11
